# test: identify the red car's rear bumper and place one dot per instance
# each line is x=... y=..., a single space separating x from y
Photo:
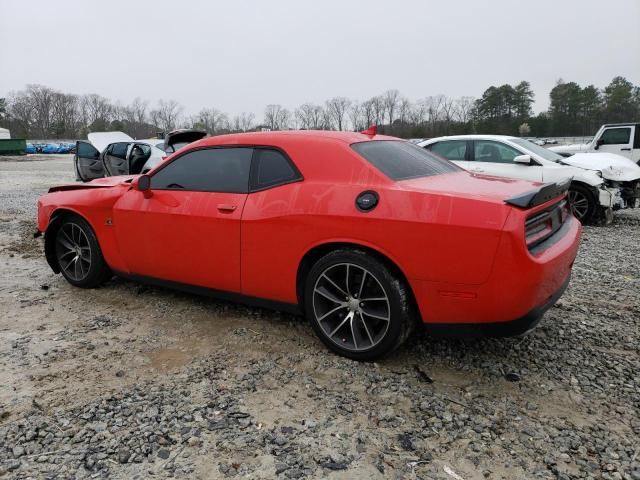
x=510 y=328
x=522 y=286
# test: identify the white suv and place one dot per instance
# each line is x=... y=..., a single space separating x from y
x=599 y=185
x=620 y=138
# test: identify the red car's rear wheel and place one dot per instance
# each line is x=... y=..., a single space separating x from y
x=356 y=305
x=78 y=253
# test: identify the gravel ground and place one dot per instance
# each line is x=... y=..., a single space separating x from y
x=129 y=381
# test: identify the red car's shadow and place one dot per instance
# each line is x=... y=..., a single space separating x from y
x=493 y=356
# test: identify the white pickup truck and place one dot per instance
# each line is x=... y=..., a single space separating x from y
x=620 y=138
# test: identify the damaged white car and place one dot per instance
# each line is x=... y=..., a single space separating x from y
x=600 y=183
x=106 y=154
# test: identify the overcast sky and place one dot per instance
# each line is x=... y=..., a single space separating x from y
x=241 y=55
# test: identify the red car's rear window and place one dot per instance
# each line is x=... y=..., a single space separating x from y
x=401 y=160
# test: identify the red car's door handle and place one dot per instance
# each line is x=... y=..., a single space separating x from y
x=226 y=207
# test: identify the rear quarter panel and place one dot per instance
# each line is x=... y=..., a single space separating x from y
x=429 y=237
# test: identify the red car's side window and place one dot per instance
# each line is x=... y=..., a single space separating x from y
x=271 y=168
x=207 y=170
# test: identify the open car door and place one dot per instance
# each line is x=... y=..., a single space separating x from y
x=87 y=162
x=116 y=159
x=138 y=155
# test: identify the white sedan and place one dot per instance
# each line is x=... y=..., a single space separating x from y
x=600 y=184
x=105 y=154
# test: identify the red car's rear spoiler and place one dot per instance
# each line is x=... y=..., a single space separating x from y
x=541 y=195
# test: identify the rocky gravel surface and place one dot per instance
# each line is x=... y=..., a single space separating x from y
x=129 y=381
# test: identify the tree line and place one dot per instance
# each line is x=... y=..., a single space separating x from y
x=40 y=112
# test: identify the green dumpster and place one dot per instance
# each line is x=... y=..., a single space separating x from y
x=13 y=146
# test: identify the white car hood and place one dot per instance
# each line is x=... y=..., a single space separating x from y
x=574 y=148
x=613 y=167
x=101 y=140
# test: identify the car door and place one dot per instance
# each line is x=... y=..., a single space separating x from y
x=87 y=162
x=266 y=224
x=186 y=227
x=491 y=157
x=617 y=140
x=635 y=149
x=115 y=158
x=137 y=157
x=456 y=151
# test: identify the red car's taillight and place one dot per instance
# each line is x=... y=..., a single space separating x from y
x=541 y=225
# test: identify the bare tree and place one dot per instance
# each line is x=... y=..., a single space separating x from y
x=464 y=109
x=276 y=117
x=224 y=124
x=326 y=120
x=318 y=116
x=167 y=115
x=65 y=117
x=390 y=99
x=211 y=120
x=356 y=116
x=20 y=110
x=118 y=111
x=368 y=113
x=418 y=113
x=154 y=117
x=139 y=110
x=247 y=121
x=96 y=112
x=379 y=110
x=434 y=110
x=448 y=109
x=311 y=116
x=284 y=118
x=271 y=116
x=304 y=116
x=337 y=109
x=235 y=124
x=135 y=115
x=192 y=121
x=404 y=110
x=41 y=99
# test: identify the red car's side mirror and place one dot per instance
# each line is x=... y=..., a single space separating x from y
x=143 y=184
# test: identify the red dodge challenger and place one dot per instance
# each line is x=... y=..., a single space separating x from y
x=367 y=235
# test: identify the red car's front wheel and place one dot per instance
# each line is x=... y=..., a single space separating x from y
x=78 y=253
x=356 y=305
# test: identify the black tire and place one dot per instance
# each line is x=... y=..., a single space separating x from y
x=583 y=203
x=78 y=253
x=363 y=321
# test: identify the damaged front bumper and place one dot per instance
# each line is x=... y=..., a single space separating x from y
x=619 y=195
